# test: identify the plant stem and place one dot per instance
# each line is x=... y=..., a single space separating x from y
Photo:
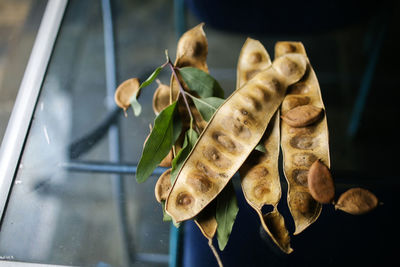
x=182 y=91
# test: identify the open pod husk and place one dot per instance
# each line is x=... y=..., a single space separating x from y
x=125 y=91
x=259 y=174
x=302 y=146
x=230 y=136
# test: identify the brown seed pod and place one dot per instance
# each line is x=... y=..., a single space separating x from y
x=125 y=92
x=253 y=58
x=167 y=161
x=357 y=201
x=163 y=186
x=301 y=116
x=320 y=183
x=243 y=116
x=302 y=146
x=161 y=97
x=274 y=223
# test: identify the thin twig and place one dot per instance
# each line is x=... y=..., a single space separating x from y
x=214 y=251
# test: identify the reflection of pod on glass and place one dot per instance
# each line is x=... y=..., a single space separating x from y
x=259 y=174
x=302 y=146
x=252 y=119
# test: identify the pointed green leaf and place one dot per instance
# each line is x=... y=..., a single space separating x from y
x=151 y=78
x=207 y=106
x=166 y=217
x=190 y=140
x=201 y=82
x=166 y=130
x=260 y=147
x=227 y=210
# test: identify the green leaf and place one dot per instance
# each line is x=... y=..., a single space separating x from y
x=260 y=147
x=167 y=127
x=201 y=82
x=207 y=106
x=227 y=210
x=137 y=108
x=166 y=217
x=151 y=78
x=190 y=140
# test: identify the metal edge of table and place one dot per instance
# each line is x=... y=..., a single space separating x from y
x=21 y=116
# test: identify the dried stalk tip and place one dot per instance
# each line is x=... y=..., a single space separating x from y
x=320 y=183
x=125 y=92
x=357 y=201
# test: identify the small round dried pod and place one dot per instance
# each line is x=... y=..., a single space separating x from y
x=302 y=115
x=167 y=161
x=357 y=201
x=320 y=183
x=161 y=97
x=125 y=92
x=163 y=186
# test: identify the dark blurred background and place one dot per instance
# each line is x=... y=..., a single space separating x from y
x=353 y=47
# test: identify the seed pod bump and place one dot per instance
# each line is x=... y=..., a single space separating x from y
x=216 y=158
x=199 y=182
x=303 y=202
x=304 y=159
x=299 y=88
x=255 y=57
x=292 y=66
x=304 y=142
x=125 y=92
x=357 y=201
x=292 y=101
x=163 y=186
x=300 y=177
x=320 y=183
x=184 y=200
x=261 y=190
x=161 y=98
x=206 y=170
x=302 y=115
x=226 y=142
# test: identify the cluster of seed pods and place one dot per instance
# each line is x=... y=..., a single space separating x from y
x=230 y=136
x=259 y=174
x=275 y=104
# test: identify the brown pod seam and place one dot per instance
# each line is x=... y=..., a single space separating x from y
x=243 y=118
x=302 y=146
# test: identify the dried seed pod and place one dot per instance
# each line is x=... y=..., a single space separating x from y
x=161 y=97
x=302 y=146
x=167 y=161
x=274 y=224
x=357 y=201
x=125 y=92
x=253 y=58
x=163 y=186
x=301 y=116
x=206 y=221
x=259 y=174
x=320 y=183
x=252 y=117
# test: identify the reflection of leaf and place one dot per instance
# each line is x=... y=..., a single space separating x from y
x=201 y=82
x=137 y=108
x=190 y=139
x=164 y=134
x=207 y=106
x=227 y=210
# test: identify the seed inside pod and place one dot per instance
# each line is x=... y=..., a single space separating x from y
x=302 y=115
x=299 y=88
x=300 y=176
x=292 y=101
x=303 y=202
x=163 y=185
x=357 y=201
x=125 y=92
x=320 y=183
x=199 y=182
x=304 y=159
x=304 y=142
x=216 y=158
x=184 y=200
x=205 y=169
